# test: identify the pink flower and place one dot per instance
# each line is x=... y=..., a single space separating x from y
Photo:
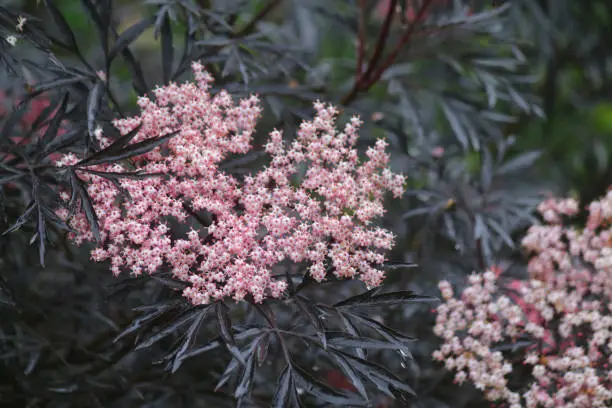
x=564 y=307
x=313 y=204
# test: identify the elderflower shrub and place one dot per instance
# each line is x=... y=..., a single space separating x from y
x=563 y=311
x=321 y=219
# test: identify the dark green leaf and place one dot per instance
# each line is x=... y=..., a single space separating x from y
x=13 y=119
x=381 y=377
x=352 y=330
x=233 y=365
x=313 y=317
x=370 y=298
x=351 y=374
x=111 y=154
x=246 y=380
x=190 y=337
x=133 y=175
x=520 y=162
x=90 y=213
x=53 y=128
x=93 y=105
x=262 y=348
x=313 y=386
x=225 y=331
x=341 y=340
x=154 y=312
x=62 y=24
x=23 y=218
x=129 y=35
x=362 y=297
x=183 y=318
x=167 y=48
x=285 y=382
x=455 y=124
x=57 y=83
x=101 y=22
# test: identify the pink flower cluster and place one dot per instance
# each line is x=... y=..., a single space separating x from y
x=564 y=308
x=313 y=204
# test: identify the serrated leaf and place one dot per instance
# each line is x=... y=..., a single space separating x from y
x=62 y=24
x=102 y=23
x=129 y=35
x=388 y=333
x=313 y=317
x=314 y=387
x=12 y=120
x=262 y=348
x=341 y=340
x=41 y=228
x=54 y=126
x=133 y=175
x=486 y=171
x=371 y=298
x=10 y=177
x=62 y=141
x=156 y=311
x=23 y=218
x=180 y=320
x=242 y=389
x=233 y=365
x=112 y=154
x=32 y=361
x=217 y=343
x=56 y=83
x=283 y=387
x=520 y=162
x=501 y=232
x=351 y=374
x=225 y=331
x=378 y=375
x=394 y=266
x=93 y=105
x=353 y=331
x=138 y=82
x=362 y=297
x=90 y=213
x=455 y=124
x=190 y=337
x=167 y=49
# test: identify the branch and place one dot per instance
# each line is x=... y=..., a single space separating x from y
x=398 y=48
x=372 y=75
x=382 y=40
x=250 y=26
x=360 y=40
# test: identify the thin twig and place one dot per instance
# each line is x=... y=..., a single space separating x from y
x=372 y=75
x=361 y=40
x=398 y=48
x=250 y=26
x=378 y=50
x=382 y=40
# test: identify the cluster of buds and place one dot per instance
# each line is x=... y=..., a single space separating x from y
x=312 y=205
x=562 y=312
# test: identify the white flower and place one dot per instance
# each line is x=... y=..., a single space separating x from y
x=11 y=39
x=20 y=22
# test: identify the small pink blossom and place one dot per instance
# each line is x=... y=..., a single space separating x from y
x=564 y=307
x=313 y=204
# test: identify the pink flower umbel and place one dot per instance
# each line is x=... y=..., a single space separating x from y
x=564 y=308
x=313 y=204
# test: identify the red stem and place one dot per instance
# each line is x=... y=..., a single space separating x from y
x=398 y=48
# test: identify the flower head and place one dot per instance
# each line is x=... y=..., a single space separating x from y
x=313 y=204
